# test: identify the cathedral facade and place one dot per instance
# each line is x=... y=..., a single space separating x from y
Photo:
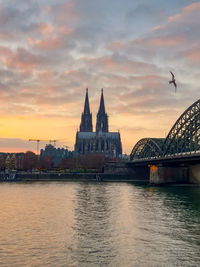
x=100 y=141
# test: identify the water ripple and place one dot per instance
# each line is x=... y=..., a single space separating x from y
x=98 y=224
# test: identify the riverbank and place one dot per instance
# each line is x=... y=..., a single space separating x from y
x=32 y=177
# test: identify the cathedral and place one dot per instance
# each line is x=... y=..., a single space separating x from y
x=100 y=141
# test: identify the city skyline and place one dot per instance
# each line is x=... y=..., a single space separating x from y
x=52 y=51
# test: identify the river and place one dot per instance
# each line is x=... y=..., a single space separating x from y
x=56 y=224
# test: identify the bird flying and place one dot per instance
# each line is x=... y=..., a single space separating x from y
x=173 y=81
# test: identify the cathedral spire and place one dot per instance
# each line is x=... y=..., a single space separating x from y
x=102 y=117
x=86 y=118
x=86 y=106
x=102 y=106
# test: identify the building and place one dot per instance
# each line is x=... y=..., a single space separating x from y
x=100 y=141
x=3 y=157
x=14 y=161
x=55 y=154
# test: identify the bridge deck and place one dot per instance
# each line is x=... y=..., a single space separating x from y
x=170 y=159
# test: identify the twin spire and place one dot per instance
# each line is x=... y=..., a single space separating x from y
x=102 y=107
x=102 y=117
x=86 y=106
x=86 y=119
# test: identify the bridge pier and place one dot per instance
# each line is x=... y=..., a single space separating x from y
x=160 y=174
x=194 y=174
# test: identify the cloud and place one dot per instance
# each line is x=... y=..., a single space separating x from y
x=188 y=11
x=18 y=18
x=64 y=12
x=22 y=60
x=121 y=64
x=52 y=50
x=14 y=142
x=44 y=28
x=49 y=43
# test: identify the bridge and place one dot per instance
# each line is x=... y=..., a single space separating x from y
x=175 y=158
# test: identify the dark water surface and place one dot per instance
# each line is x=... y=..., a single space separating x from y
x=98 y=224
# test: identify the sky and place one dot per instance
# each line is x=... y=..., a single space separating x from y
x=51 y=50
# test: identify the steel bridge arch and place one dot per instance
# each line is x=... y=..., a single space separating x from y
x=147 y=147
x=184 y=135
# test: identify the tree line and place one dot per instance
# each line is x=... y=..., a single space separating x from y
x=30 y=161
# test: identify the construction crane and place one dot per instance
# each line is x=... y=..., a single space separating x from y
x=38 y=143
x=44 y=140
x=56 y=140
x=53 y=141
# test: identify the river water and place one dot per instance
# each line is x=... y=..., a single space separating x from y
x=98 y=224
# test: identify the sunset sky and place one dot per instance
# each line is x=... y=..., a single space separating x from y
x=51 y=50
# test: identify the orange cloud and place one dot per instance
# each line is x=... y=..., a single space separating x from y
x=121 y=65
x=6 y=36
x=194 y=7
x=65 y=30
x=116 y=45
x=174 y=18
x=22 y=59
x=44 y=28
x=47 y=43
x=167 y=41
x=161 y=41
x=23 y=66
x=4 y=50
x=158 y=27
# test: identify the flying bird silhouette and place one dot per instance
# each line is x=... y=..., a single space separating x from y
x=173 y=81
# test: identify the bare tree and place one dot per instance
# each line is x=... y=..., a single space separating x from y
x=30 y=160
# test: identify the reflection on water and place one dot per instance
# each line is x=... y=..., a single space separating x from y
x=93 y=228
x=99 y=224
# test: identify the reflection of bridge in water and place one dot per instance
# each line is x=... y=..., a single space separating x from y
x=178 y=153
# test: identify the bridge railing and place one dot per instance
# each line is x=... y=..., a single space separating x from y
x=172 y=156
